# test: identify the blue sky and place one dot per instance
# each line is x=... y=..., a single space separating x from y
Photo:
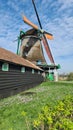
x=56 y=17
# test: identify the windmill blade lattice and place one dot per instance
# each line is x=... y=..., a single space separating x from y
x=44 y=37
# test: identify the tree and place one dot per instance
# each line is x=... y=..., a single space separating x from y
x=70 y=76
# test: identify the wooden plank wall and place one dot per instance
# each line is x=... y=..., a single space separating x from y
x=13 y=81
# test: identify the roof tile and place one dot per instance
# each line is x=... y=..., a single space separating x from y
x=11 y=57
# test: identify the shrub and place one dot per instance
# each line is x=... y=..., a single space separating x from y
x=60 y=117
x=70 y=77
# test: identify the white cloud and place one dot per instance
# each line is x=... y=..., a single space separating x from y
x=13 y=5
x=65 y=4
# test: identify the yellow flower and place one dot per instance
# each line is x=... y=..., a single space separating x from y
x=36 y=123
x=23 y=113
x=50 y=121
x=41 y=117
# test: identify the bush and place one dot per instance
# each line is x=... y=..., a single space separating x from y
x=60 y=117
x=70 y=77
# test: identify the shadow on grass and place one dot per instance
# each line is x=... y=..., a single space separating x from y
x=27 y=93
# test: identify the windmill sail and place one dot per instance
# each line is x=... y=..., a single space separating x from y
x=47 y=49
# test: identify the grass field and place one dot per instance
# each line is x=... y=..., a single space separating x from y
x=18 y=112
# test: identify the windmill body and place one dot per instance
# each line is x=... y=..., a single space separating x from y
x=31 y=47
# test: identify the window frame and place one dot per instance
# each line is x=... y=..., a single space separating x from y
x=5 y=67
x=33 y=71
x=23 y=69
x=39 y=72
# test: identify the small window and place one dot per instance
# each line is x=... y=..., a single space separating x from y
x=38 y=72
x=5 y=67
x=22 y=69
x=32 y=71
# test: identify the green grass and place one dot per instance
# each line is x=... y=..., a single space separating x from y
x=19 y=111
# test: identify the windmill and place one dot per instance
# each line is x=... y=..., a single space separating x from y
x=44 y=35
x=33 y=41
